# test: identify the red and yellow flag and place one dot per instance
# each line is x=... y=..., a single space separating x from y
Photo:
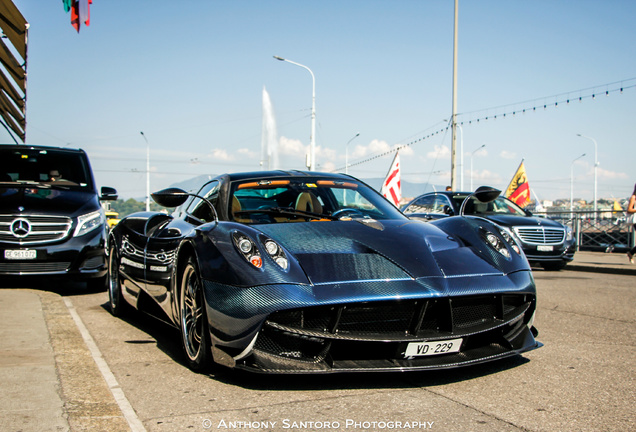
x=519 y=190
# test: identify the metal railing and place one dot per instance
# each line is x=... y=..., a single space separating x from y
x=596 y=231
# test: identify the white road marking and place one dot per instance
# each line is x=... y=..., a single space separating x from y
x=129 y=413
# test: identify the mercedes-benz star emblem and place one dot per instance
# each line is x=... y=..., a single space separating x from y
x=20 y=228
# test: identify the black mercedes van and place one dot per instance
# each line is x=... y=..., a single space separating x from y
x=51 y=220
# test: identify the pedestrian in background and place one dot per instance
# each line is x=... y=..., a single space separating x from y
x=631 y=219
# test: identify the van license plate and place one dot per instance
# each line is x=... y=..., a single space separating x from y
x=21 y=254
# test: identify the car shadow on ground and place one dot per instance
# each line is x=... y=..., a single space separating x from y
x=365 y=380
x=167 y=340
x=57 y=286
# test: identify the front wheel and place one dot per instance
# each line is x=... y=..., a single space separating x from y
x=118 y=306
x=194 y=325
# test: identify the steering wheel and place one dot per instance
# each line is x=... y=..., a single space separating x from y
x=342 y=212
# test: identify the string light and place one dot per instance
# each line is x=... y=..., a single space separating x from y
x=589 y=92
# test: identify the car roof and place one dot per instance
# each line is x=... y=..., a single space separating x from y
x=40 y=147
x=281 y=173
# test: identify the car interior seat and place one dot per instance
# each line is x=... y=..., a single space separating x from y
x=308 y=202
x=236 y=207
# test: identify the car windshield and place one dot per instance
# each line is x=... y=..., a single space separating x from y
x=45 y=167
x=500 y=206
x=292 y=200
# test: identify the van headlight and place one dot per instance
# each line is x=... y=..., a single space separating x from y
x=88 y=222
x=568 y=233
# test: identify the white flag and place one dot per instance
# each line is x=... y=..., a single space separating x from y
x=391 y=188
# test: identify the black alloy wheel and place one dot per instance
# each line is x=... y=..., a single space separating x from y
x=194 y=326
x=116 y=300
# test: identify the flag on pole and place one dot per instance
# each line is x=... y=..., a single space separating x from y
x=519 y=190
x=538 y=206
x=617 y=207
x=391 y=188
x=80 y=12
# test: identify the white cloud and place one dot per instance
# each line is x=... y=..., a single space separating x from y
x=439 y=152
x=243 y=152
x=505 y=154
x=377 y=146
x=326 y=153
x=327 y=167
x=291 y=147
x=221 y=155
x=606 y=174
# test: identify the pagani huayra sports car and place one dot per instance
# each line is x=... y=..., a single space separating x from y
x=305 y=272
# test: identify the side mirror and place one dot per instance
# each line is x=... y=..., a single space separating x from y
x=174 y=197
x=486 y=194
x=171 y=197
x=483 y=194
x=108 y=194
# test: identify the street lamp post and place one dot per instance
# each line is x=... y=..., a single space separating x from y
x=147 y=172
x=347 y=153
x=312 y=138
x=461 y=158
x=595 y=169
x=471 y=164
x=572 y=185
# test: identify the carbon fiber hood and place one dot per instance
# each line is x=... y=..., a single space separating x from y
x=367 y=250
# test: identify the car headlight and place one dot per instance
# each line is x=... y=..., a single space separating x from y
x=88 y=222
x=511 y=239
x=275 y=252
x=248 y=249
x=501 y=243
x=493 y=240
x=569 y=235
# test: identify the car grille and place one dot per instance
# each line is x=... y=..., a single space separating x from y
x=42 y=229
x=540 y=235
x=377 y=330
x=33 y=267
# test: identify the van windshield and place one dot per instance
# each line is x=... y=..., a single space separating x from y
x=46 y=167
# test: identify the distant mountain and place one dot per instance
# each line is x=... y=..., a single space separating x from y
x=195 y=183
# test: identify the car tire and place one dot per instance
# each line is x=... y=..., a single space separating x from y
x=116 y=301
x=553 y=265
x=195 y=336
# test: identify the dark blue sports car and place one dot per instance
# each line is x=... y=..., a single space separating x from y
x=305 y=272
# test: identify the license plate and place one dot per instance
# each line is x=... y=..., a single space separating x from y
x=542 y=248
x=20 y=254
x=418 y=349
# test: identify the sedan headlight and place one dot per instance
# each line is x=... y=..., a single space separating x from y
x=88 y=222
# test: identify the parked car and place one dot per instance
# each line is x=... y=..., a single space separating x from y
x=112 y=218
x=317 y=273
x=544 y=241
x=51 y=220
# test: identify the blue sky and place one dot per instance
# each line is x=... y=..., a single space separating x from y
x=191 y=76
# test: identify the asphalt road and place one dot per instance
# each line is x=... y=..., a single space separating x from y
x=96 y=372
